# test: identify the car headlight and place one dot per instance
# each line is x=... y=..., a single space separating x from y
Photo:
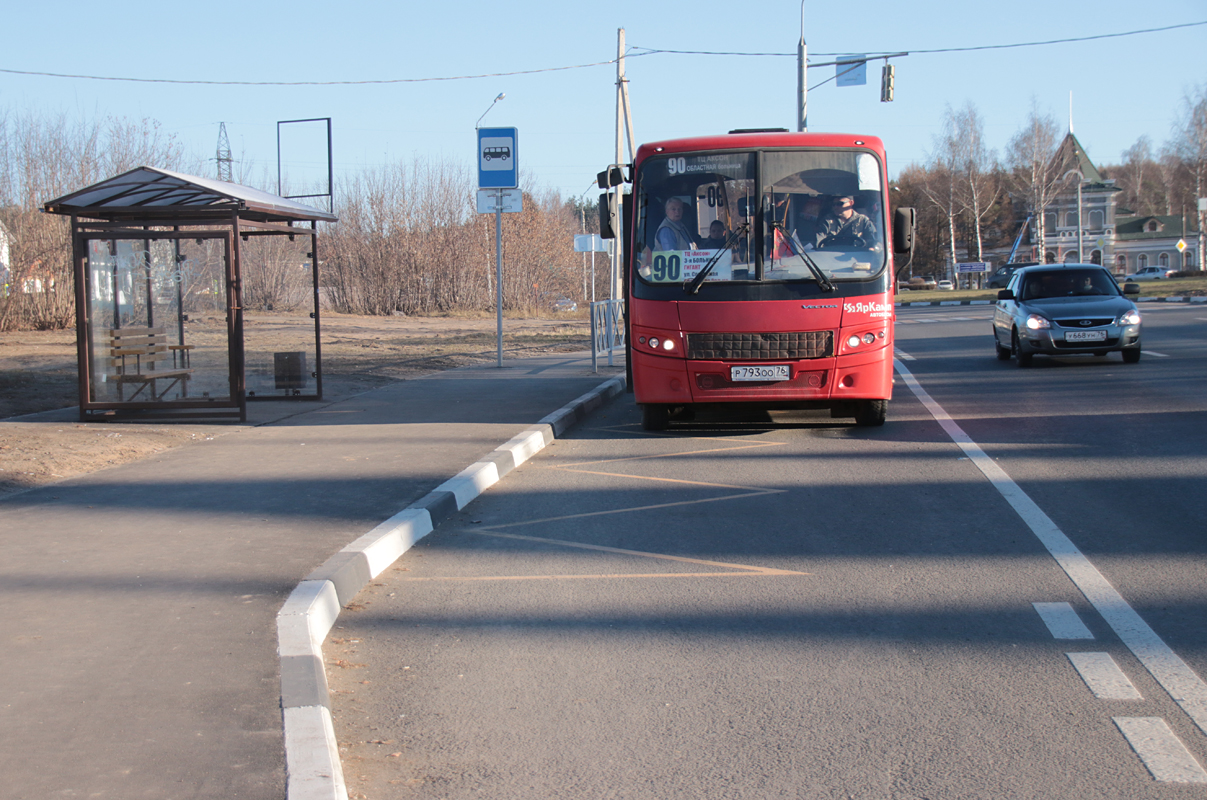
x=1131 y=317
x=1035 y=322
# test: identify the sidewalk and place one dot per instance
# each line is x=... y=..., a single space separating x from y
x=138 y=651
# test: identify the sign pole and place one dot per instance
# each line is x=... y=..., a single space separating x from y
x=498 y=186
x=499 y=274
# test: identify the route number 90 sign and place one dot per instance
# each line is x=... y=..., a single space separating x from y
x=677 y=266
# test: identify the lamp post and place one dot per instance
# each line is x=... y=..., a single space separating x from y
x=478 y=124
x=1080 y=180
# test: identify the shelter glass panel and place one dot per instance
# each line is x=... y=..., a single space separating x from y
x=279 y=319
x=157 y=319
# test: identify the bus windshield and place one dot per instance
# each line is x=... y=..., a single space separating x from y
x=793 y=215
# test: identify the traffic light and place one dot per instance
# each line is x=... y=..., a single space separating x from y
x=888 y=78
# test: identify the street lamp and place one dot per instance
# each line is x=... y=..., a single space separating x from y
x=1080 y=180
x=478 y=124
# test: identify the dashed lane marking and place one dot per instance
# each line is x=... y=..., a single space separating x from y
x=901 y=354
x=1062 y=621
x=1161 y=751
x=1103 y=676
x=1177 y=678
x=1155 y=354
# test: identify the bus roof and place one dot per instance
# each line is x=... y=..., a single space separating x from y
x=753 y=140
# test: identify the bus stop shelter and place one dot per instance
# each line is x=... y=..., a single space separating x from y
x=163 y=265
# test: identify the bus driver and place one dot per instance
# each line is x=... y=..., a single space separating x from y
x=844 y=227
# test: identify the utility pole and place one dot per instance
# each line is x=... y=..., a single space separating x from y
x=624 y=126
x=224 y=155
x=802 y=77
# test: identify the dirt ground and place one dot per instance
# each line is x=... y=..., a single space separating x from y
x=38 y=374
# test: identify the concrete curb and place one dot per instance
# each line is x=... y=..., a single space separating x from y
x=924 y=303
x=312 y=764
x=1171 y=299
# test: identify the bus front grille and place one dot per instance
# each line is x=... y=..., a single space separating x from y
x=760 y=346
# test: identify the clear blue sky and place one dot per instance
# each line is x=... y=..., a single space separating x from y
x=1122 y=88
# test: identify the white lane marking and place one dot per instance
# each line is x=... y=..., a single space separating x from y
x=1161 y=750
x=1062 y=621
x=1103 y=676
x=1155 y=354
x=901 y=354
x=1177 y=678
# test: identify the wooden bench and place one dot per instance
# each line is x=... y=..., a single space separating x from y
x=135 y=356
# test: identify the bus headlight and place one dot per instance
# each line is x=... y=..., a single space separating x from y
x=853 y=341
x=654 y=341
x=668 y=344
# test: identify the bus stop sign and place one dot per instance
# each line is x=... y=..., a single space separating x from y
x=498 y=158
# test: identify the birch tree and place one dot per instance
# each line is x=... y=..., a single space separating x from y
x=979 y=188
x=941 y=184
x=1190 y=145
x=1032 y=175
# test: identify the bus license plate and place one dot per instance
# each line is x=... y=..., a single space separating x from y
x=762 y=372
x=1085 y=336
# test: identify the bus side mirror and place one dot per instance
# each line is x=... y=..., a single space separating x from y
x=612 y=176
x=904 y=220
x=606 y=216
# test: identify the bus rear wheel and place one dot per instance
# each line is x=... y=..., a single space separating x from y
x=870 y=413
x=654 y=417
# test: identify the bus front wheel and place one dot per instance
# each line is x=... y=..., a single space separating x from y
x=654 y=417
x=870 y=413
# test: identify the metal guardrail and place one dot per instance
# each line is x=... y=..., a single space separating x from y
x=607 y=330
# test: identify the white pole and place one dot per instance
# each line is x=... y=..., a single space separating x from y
x=499 y=272
x=615 y=266
x=802 y=77
x=1080 y=223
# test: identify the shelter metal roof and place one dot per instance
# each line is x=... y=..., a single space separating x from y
x=150 y=192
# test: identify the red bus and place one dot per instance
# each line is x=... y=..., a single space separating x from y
x=757 y=273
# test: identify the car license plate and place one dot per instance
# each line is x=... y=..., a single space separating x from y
x=1085 y=336
x=761 y=372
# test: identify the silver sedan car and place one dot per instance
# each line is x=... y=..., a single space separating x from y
x=1065 y=309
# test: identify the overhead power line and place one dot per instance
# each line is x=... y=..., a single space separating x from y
x=888 y=54
x=633 y=53
x=306 y=83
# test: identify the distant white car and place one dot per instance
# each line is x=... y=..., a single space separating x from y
x=946 y=286
x=1151 y=274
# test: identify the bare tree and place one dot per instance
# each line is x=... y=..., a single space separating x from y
x=1137 y=164
x=942 y=182
x=1032 y=174
x=1189 y=143
x=979 y=188
x=43 y=157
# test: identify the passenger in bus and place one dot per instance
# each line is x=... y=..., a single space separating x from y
x=845 y=228
x=673 y=234
x=716 y=236
x=810 y=214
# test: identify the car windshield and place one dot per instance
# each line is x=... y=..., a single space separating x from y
x=797 y=216
x=1047 y=284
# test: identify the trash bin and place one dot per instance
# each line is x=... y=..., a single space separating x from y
x=289 y=369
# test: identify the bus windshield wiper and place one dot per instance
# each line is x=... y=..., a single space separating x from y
x=694 y=286
x=818 y=275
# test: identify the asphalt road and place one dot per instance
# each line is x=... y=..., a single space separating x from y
x=785 y=606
